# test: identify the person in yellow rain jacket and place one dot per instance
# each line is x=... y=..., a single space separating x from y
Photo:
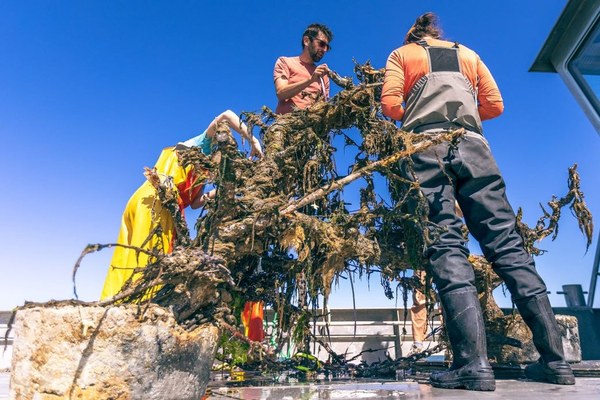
x=144 y=211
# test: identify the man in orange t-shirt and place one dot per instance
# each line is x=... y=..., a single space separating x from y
x=299 y=82
x=434 y=86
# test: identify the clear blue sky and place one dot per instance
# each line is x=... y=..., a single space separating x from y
x=91 y=91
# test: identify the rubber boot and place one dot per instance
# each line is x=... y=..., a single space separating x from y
x=470 y=368
x=551 y=367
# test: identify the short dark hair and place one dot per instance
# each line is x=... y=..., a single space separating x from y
x=312 y=31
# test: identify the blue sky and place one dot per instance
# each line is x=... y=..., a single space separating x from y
x=91 y=91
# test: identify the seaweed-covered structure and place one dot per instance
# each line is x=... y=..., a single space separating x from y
x=280 y=231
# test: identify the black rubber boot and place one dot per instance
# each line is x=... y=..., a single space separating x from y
x=464 y=324
x=551 y=367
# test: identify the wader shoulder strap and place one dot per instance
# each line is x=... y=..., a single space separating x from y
x=442 y=58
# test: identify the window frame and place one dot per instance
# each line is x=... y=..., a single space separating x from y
x=592 y=97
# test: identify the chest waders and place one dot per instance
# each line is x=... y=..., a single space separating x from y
x=445 y=100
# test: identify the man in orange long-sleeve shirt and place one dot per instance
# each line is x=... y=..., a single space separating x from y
x=433 y=86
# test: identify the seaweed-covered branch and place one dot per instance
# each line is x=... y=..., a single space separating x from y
x=547 y=224
x=369 y=169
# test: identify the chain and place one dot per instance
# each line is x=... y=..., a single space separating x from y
x=423 y=354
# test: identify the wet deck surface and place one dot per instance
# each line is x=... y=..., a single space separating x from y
x=4 y=378
x=585 y=388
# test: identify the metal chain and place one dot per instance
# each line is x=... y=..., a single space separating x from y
x=423 y=354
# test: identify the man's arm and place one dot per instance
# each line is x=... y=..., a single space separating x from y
x=286 y=90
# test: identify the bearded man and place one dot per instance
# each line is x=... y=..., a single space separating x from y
x=299 y=82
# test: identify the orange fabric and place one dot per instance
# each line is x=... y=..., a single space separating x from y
x=407 y=64
x=189 y=190
x=252 y=318
x=185 y=179
x=294 y=70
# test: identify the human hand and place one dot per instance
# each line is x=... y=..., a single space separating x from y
x=201 y=200
x=320 y=71
x=256 y=149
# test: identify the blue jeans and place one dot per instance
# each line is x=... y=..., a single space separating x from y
x=466 y=172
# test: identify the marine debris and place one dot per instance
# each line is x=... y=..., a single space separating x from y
x=279 y=229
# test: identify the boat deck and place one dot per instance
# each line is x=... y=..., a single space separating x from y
x=585 y=388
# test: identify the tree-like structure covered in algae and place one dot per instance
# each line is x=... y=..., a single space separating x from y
x=280 y=231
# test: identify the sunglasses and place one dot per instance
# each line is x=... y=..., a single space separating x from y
x=322 y=44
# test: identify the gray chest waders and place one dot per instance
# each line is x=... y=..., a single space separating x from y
x=444 y=98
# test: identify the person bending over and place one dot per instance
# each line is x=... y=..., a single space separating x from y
x=146 y=223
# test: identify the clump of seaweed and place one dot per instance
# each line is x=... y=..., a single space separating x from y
x=279 y=230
